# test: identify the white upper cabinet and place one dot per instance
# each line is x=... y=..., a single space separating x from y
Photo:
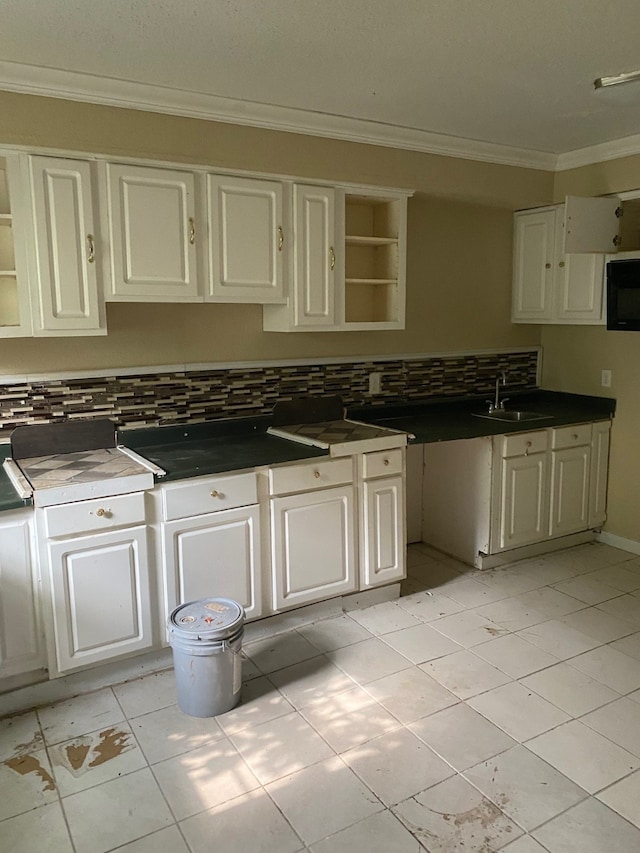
x=314 y=256
x=66 y=296
x=153 y=234
x=349 y=261
x=558 y=261
x=247 y=239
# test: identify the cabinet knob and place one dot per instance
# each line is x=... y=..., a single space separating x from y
x=215 y=493
x=103 y=513
x=385 y=461
x=526 y=447
x=561 y=264
x=575 y=436
x=547 y=266
x=316 y=474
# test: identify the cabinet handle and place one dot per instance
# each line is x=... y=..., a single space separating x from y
x=316 y=474
x=526 y=448
x=575 y=436
x=332 y=257
x=385 y=461
x=280 y=238
x=561 y=264
x=215 y=493
x=91 y=254
x=192 y=230
x=547 y=266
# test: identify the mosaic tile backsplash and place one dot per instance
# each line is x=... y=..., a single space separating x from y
x=156 y=399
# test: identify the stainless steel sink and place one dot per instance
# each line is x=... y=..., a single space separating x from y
x=511 y=416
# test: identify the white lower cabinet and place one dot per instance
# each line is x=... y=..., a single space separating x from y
x=100 y=597
x=95 y=563
x=21 y=639
x=486 y=496
x=313 y=532
x=521 y=490
x=570 y=474
x=211 y=544
x=313 y=546
x=383 y=538
x=217 y=554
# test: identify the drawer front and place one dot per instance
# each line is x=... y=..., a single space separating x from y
x=208 y=494
x=525 y=443
x=571 y=436
x=95 y=515
x=317 y=474
x=382 y=463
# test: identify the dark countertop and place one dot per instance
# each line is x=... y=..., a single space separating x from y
x=214 y=447
x=193 y=450
x=448 y=420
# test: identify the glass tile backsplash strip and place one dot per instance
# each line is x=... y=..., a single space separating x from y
x=201 y=395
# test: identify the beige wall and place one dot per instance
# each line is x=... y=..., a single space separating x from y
x=459 y=242
x=575 y=356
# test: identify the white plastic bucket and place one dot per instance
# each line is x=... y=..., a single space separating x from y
x=206 y=638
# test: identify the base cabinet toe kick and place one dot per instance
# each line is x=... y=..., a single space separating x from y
x=94 y=581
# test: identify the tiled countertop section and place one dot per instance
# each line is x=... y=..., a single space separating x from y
x=193 y=450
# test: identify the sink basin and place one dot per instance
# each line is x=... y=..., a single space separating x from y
x=511 y=416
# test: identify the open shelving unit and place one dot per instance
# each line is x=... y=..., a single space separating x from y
x=374 y=272
x=14 y=311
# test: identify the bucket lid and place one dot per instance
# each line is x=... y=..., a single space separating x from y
x=206 y=619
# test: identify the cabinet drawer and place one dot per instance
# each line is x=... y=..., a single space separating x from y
x=317 y=474
x=382 y=463
x=208 y=494
x=571 y=436
x=95 y=515
x=525 y=443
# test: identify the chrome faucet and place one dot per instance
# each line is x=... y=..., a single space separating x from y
x=497 y=405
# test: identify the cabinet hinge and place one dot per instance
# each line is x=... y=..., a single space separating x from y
x=619 y=212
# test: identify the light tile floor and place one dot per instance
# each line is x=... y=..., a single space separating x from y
x=482 y=711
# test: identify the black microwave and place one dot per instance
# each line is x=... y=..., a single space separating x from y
x=623 y=292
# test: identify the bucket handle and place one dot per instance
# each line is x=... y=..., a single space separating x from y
x=227 y=647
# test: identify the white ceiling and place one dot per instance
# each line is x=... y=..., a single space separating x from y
x=426 y=74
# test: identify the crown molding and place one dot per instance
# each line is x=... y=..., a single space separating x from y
x=625 y=147
x=73 y=86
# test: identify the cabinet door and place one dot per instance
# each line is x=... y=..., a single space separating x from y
x=66 y=282
x=383 y=537
x=312 y=546
x=21 y=646
x=598 y=477
x=569 y=490
x=152 y=223
x=580 y=289
x=100 y=597
x=247 y=240
x=214 y=555
x=314 y=256
x=591 y=224
x=524 y=500
x=578 y=283
x=534 y=234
